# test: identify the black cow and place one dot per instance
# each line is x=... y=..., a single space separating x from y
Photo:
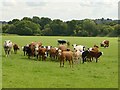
x=26 y=49
x=61 y=41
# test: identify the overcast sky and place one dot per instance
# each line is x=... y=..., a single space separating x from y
x=58 y=9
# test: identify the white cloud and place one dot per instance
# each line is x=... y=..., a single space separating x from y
x=62 y=9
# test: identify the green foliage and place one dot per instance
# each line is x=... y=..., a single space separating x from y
x=46 y=26
x=58 y=27
x=44 y=21
x=27 y=28
x=90 y=27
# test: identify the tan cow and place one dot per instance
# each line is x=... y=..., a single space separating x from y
x=66 y=55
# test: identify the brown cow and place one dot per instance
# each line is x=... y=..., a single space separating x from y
x=53 y=53
x=33 y=49
x=62 y=47
x=15 y=48
x=94 y=49
x=42 y=53
x=66 y=55
x=104 y=43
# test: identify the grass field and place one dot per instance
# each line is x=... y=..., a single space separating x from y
x=20 y=72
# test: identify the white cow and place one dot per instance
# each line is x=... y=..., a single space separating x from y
x=7 y=47
x=78 y=47
x=78 y=50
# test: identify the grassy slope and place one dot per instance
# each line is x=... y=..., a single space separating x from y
x=20 y=72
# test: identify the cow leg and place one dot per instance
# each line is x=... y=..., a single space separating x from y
x=37 y=56
x=61 y=63
x=96 y=60
x=42 y=58
x=69 y=63
x=24 y=53
x=83 y=60
x=72 y=63
x=8 y=52
x=28 y=56
x=15 y=51
x=5 y=53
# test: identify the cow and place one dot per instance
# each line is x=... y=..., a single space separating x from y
x=62 y=47
x=104 y=43
x=53 y=52
x=78 y=47
x=48 y=49
x=63 y=42
x=66 y=55
x=42 y=53
x=94 y=49
x=7 y=47
x=33 y=49
x=26 y=49
x=88 y=54
x=77 y=56
x=15 y=48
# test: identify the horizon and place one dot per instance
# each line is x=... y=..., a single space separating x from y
x=60 y=19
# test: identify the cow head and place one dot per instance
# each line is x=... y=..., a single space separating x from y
x=7 y=43
x=74 y=46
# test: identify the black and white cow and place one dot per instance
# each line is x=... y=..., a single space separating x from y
x=90 y=55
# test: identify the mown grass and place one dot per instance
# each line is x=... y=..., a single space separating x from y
x=20 y=72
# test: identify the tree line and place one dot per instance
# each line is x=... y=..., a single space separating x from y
x=45 y=26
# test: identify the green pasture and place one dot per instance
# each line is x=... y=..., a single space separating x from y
x=20 y=72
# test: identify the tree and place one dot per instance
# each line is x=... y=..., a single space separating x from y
x=47 y=30
x=58 y=27
x=13 y=21
x=26 y=18
x=90 y=27
x=11 y=29
x=71 y=27
x=25 y=27
x=44 y=21
x=5 y=28
x=36 y=19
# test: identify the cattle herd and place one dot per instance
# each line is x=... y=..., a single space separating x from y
x=61 y=53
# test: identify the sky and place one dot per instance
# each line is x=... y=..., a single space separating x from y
x=59 y=9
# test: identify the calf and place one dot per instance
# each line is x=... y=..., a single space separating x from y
x=15 y=48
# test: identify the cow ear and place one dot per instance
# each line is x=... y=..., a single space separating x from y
x=72 y=44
